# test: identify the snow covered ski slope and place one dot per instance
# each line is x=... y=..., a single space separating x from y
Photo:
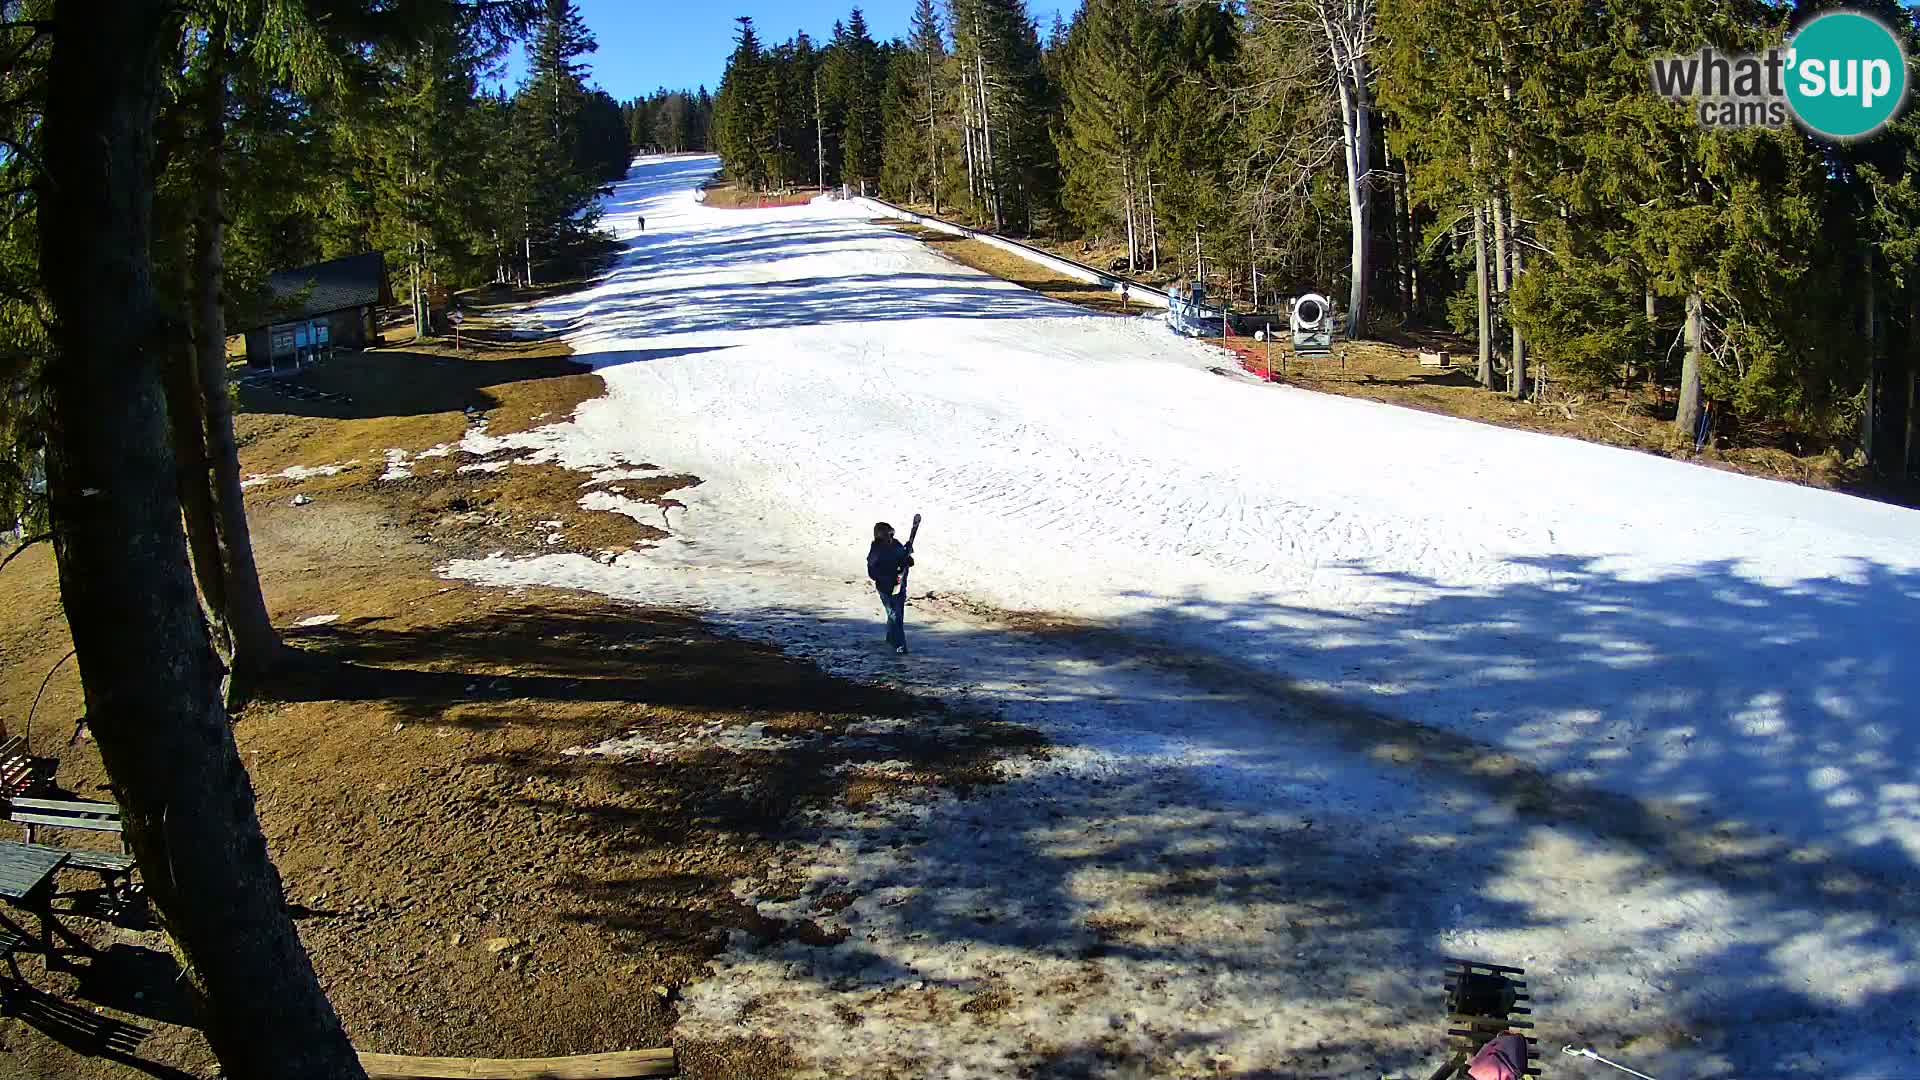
x=1699 y=690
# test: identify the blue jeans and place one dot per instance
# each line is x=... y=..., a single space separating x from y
x=896 y=605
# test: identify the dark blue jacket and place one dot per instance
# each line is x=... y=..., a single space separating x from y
x=886 y=561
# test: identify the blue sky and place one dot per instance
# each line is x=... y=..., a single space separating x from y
x=646 y=44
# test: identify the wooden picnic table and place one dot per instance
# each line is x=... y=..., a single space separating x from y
x=25 y=869
x=26 y=882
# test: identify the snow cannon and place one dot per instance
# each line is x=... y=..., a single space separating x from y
x=1312 y=323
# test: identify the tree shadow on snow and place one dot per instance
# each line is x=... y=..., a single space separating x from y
x=1260 y=848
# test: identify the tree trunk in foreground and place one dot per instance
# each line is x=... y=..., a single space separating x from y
x=256 y=646
x=149 y=672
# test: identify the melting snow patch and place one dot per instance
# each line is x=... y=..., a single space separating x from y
x=396 y=466
x=316 y=620
x=608 y=476
x=616 y=504
x=298 y=473
x=735 y=739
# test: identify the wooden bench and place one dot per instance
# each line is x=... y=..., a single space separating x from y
x=37 y=814
x=16 y=768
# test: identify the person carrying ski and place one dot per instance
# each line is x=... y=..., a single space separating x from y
x=887 y=562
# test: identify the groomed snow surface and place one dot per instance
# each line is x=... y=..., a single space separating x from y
x=1362 y=687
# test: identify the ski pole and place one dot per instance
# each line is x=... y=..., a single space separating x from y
x=1587 y=1052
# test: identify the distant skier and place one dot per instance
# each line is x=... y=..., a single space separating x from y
x=643 y=223
x=887 y=562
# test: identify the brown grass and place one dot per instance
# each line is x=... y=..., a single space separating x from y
x=1102 y=253
x=728 y=195
x=1023 y=272
x=1635 y=419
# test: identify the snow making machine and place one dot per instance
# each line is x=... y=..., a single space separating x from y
x=1311 y=321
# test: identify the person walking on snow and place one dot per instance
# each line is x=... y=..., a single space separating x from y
x=887 y=562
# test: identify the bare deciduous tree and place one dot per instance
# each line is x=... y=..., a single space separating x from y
x=1338 y=37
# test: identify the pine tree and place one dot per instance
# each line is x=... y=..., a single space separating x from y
x=858 y=62
x=904 y=172
x=1452 y=122
x=916 y=142
x=797 y=66
x=1117 y=69
x=1005 y=106
x=559 y=183
x=703 y=124
x=743 y=113
x=24 y=348
x=1194 y=140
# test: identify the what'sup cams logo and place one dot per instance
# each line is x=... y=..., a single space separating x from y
x=1843 y=76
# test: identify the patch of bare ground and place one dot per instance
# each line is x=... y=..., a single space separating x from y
x=1637 y=418
x=467 y=883
x=1025 y=273
x=727 y=195
x=1106 y=253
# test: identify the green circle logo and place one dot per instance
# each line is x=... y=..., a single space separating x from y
x=1846 y=75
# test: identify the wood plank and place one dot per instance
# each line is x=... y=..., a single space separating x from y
x=100 y=860
x=99 y=809
x=60 y=822
x=618 y=1066
x=1453 y=962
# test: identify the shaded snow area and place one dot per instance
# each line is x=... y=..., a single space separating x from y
x=1335 y=689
